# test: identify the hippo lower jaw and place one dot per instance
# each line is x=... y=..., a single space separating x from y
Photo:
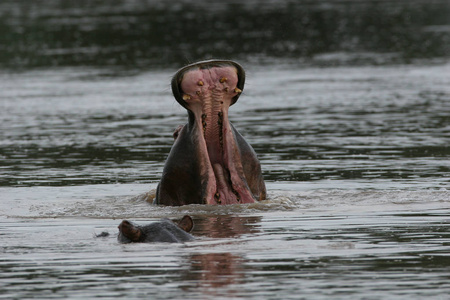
x=208 y=94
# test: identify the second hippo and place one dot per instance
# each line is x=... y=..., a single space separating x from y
x=163 y=231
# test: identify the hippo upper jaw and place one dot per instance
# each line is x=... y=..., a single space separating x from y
x=177 y=79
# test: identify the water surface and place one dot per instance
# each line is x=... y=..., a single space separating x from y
x=347 y=104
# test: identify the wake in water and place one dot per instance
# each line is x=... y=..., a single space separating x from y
x=331 y=201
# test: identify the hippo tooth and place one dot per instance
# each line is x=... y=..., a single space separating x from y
x=223 y=79
x=204 y=124
x=186 y=97
x=198 y=93
x=200 y=83
x=237 y=90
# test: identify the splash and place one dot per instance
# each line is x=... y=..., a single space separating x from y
x=330 y=201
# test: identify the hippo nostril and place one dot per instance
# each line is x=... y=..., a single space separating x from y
x=198 y=93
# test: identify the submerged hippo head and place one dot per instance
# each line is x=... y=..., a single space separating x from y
x=210 y=162
x=163 y=231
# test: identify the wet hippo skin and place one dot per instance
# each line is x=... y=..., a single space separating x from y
x=210 y=162
x=163 y=231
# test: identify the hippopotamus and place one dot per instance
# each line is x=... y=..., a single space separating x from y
x=210 y=162
x=163 y=231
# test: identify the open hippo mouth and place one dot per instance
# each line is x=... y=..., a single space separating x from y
x=229 y=171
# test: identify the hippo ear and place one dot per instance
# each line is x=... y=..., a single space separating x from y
x=130 y=231
x=186 y=223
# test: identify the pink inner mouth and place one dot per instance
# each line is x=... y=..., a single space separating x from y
x=208 y=94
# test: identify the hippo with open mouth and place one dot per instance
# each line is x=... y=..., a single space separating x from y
x=210 y=162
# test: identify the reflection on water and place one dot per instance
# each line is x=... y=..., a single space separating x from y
x=215 y=270
x=226 y=226
x=140 y=33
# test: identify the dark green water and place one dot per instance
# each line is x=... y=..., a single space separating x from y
x=146 y=33
x=347 y=104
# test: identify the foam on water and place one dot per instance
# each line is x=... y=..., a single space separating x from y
x=118 y=202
